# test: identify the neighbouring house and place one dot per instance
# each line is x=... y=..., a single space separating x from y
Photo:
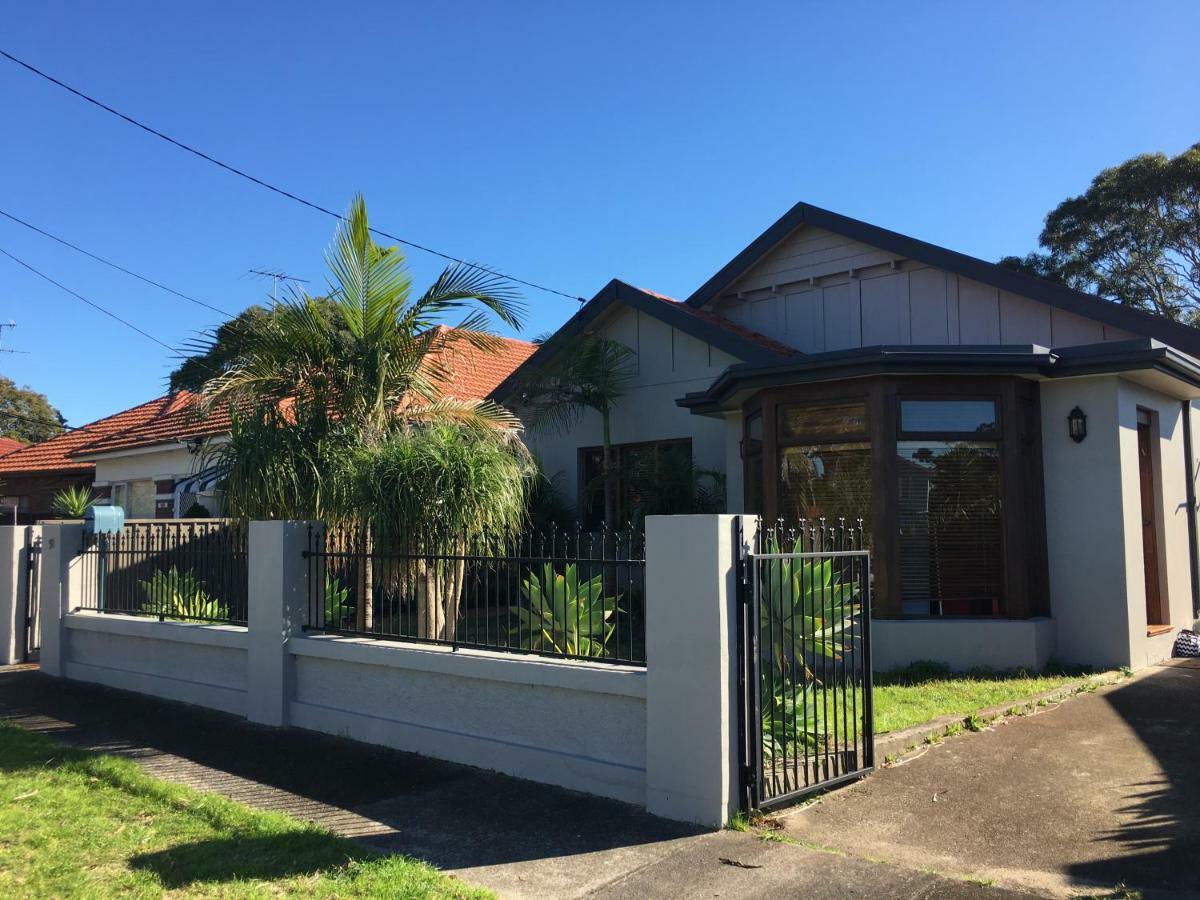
x=31 y=476
x=10 y=445
x=153 y=467
x=1021 y=453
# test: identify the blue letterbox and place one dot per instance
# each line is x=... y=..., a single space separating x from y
x=104 y=519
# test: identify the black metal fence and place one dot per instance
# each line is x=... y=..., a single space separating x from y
x=177 y=570
x=572 y=594
x=805 y=659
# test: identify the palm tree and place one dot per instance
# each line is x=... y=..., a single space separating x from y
x=595 y=375
x=339 y=411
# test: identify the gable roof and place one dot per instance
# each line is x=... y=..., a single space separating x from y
x=176 y=418
x=718 y=331
x=10 y=445
x=1184 y=337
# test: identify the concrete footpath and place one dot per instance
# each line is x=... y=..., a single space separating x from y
x=1100 y=790
x=519 y=838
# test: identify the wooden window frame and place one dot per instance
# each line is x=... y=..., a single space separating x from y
x=1018 y=435
x=581 y=464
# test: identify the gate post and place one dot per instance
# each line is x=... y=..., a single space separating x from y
x=12 y=592
x=278 y=604
x=61 y=578
x=693 y=765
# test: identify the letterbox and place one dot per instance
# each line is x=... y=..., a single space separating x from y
x=104 y=519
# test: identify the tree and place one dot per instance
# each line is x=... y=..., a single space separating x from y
x=595 y=375
x=215 y=351
x=26 y=415
x=1133 y=236
x=337 y=414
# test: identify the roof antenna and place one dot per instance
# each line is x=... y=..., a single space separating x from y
x=276 y=277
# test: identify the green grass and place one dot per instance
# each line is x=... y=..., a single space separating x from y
x=80 y=824
x=925 y=691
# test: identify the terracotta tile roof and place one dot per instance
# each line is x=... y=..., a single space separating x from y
x=172 y=419
x=721 y=322
x=9 y=445
x=55 y=455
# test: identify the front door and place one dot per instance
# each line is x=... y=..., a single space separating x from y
x=1150 y=544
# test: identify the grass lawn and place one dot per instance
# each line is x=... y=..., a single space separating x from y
x=80 y=824
x=925 y=691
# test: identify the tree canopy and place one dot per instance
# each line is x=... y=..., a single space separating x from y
x=26 y=415
x=1133 y=237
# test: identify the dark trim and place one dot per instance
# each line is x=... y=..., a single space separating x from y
x=1139 y=354
x=1087 y=305
x=668 y=311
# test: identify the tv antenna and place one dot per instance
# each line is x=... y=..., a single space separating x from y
x=10 y=324
x=276 y=277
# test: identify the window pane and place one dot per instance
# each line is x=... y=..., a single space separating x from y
x=966 y=416
x=832 y=421
x=831 y=480
x=950 y=534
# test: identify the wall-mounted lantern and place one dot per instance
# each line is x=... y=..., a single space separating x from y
x=1077 y=425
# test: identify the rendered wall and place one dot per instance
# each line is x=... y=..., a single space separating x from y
x=13 y=559
x=669 y=364
x=200 y=664
x=963 y=644
x=578 y=725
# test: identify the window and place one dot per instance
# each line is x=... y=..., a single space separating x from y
x=654 y=478
x=824 y=460
x=752 y=453
x=949 y=508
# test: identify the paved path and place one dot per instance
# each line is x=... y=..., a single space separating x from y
x=519 y=838
x=1100 y=790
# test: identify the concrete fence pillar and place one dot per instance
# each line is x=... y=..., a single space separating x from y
x=692 y=760
x=13 y=539
x=278 y=596
x=61 y=575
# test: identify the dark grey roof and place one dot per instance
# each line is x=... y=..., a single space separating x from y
x=1028 y=359
x=1178 y=335
x=720 y=333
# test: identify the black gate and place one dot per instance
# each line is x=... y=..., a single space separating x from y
x=804 y=661
x=33 y=629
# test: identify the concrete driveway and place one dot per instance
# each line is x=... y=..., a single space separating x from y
x=1101 y=790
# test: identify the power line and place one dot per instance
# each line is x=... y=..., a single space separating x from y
x=110 y=263
x=271 y=187
x=94 y=305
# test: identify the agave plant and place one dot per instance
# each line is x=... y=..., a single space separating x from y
x=791 y=719
x=563 y=614
x=73 y=502
x=808 y=610
x=179 y=595
x=339 y=608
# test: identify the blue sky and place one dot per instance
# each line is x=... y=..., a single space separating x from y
x=567 y=143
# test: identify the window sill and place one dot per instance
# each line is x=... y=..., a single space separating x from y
x=1154 y=630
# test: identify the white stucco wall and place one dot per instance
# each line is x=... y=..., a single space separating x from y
x=963 y=644
x=168 y=461
x=200 y=664
x=669 y=364
x=1093 y=519
x=573 y=724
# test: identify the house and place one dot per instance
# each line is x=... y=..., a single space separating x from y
x=153 y=466
x=10 y=445
x=31 y=476
x=1021 y=454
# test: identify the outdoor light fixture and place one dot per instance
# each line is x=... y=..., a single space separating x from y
x=1077 y=425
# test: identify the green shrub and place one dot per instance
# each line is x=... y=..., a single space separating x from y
x=563 y=614
x=339 y=609
x=73 y=502
x=179 y=595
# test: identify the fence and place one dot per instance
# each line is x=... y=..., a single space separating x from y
x=806 y=654
x=188 y=571
x=566 y=594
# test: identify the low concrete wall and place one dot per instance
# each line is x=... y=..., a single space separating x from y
x=578 y=725
x=963 y=643
x=200 y=664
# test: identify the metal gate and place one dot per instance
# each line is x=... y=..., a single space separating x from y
x=33 y=628
x=804 y=640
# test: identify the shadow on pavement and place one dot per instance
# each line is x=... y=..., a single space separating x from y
x=1156 y=846
x=451 y=815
